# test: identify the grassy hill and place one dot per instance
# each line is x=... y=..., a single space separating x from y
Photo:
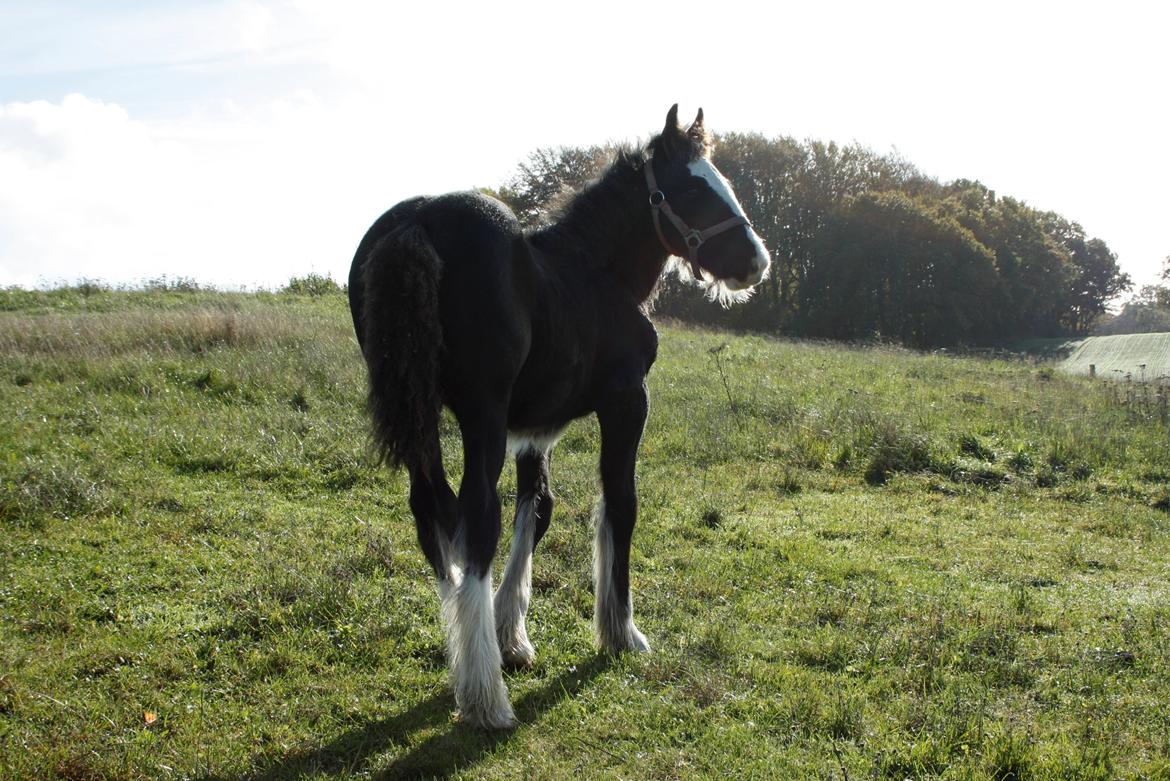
x=1138 y=356
x=851 y=563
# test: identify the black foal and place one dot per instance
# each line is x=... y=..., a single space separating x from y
x=519 y=334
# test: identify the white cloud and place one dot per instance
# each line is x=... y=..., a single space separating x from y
x=242 y=197
x=73 y=177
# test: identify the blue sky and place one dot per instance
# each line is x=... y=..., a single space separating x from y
x=241 y=142
x=157 y=59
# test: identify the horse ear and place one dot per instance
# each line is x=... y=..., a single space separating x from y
x=674 y=142
x=671 y=120
x=697 y=135
x=696 y=127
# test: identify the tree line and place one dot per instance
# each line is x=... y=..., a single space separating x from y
x=1148 y=311
x=865 y=246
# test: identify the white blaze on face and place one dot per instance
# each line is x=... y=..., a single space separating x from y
x=705 y=170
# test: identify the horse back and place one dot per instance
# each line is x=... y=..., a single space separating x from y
x=515 y=323
x=477 y=238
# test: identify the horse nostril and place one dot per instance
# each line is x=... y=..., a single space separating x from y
x=760 y=270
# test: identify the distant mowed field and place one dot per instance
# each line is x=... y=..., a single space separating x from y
x=1143 y=357
x=851 y=563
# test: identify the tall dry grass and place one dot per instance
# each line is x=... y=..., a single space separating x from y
x=97 y=335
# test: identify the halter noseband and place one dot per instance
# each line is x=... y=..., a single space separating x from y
x=692 y=237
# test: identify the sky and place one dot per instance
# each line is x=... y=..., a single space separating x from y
x=242 y=142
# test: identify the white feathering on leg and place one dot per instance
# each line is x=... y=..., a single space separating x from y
x=515 y=592
x=613 y=620
x=474 y=655
x=453 y=569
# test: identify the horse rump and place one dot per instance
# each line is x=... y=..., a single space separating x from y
x=402 y=338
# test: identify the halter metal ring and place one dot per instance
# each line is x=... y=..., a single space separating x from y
x=694 y=240
x=657 y=198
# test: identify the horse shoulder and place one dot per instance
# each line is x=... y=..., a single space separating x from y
x=629 y=344
x=642 y=338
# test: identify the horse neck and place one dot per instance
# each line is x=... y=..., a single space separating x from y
x=610 y=225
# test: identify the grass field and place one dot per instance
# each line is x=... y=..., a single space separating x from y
x=851 y=563
x=1142 y=357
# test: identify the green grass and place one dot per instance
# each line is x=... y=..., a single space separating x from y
x=1142 y=357
x=862 y=563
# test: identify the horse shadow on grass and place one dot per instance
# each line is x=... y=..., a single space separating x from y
x=449 y=750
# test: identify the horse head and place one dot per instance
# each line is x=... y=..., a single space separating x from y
x=697 y=214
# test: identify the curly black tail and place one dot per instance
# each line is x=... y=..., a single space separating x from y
x=403 y=339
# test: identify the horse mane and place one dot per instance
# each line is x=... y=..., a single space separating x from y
x=582 y=221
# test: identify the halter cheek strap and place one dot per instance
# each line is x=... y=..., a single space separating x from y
x=692 y=237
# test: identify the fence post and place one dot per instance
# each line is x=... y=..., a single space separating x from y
x=1092 y=370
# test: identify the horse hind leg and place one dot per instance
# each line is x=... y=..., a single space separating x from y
x=436 y=514
x=472 y=645
x=533 y=510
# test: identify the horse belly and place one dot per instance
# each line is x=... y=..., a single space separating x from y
x=536 y=440
x=542 y=408
x=546 y=401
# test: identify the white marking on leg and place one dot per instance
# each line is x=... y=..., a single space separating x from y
x=451 y=551
x=533 y=440
x=446 y=587
x=613 y=618
x=515 y=590
x=475 y=656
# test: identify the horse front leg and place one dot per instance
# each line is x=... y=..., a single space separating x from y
x=474 y=652
x=534 y=504
x=622 y=419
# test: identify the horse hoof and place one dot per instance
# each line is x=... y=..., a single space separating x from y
x=638 y=643
x=518 y=657
x=489 y=719
x=628 y=639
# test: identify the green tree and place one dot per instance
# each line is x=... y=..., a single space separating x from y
x=1147 y=312
x=788 y=188
x=1097 y=279
x=850 y=258
x=761 y=171
x=1032 y=270
x=543 y=180
x=890 y=266
x=828 y=175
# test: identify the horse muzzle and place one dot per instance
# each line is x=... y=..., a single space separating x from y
x=760 y=263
